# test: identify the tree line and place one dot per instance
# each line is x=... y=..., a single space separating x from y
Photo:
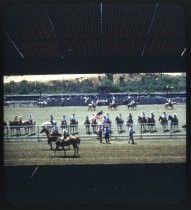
x=146 y=83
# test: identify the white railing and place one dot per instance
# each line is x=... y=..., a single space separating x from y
x=33 y=132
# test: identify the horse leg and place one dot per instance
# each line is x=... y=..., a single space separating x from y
x=74 y=146
x=55 y=151
x=77 y=149
x=64 y=151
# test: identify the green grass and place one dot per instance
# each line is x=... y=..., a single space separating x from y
x=41 y=115
x=27 y=152
x=93 y=152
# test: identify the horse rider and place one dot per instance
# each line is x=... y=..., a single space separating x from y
x=63 y=120
x=152 y=115
x=175 y=116
x=120 y=118
x=15 y=118
x=164 y=115
x=64 y=132
x=113 y=101
x=20 y=119
x=55 y=131
x=129 y=116
x=143 y=115
x=51 y=119
x=73 y=119
x=30 y=119
x=87 y=121
x=169 y=101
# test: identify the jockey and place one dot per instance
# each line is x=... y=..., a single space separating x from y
x=64 y=132
x=20 y=119
x=169 y=101
x=130 y=116
x=143 y=115
x=15 y=118
x=73 y=118
x=120 y=117
x=55 y=132
x=152 y=115
x=63 y=120
x=30 y=118
x=113 y=101
x=87 y=121
x=164 y=115
x=51 y=119
x=175 y=116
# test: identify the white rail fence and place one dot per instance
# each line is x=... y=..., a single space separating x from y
x=157 y=131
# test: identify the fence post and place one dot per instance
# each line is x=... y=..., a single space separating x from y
x=141 y=131
x=38 y=132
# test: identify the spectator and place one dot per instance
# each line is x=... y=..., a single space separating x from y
x=131 y=135
x=106 y=133
x=99 y=133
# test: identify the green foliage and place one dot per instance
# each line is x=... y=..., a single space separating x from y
x=147 y=83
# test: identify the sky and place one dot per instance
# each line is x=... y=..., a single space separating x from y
x=44 y=78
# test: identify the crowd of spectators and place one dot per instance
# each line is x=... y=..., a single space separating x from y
x=82 y=100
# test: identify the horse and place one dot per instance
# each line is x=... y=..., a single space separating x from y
x=49 y=136
x=28 y=126
x=184 y=127
x=113 y=106
x=132 y=105
x=174 y=123
x=143 y=122
x=119 y=123
x=151 y=124
x=164 y=123
x=42 y=103
x=91 y=107
x=15 y=124
x=71 y=140
x=168 y=105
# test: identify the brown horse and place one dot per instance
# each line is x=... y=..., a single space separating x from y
x=132 y=105
x=91 y=107
x=173 y=123
x=113 y=106
x=164 y=123
x=168 y=105
x=15 y=124
x=28 y=126
x=71 y=140
x=51 y=138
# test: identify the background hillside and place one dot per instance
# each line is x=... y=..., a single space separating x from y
x=149 y=82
